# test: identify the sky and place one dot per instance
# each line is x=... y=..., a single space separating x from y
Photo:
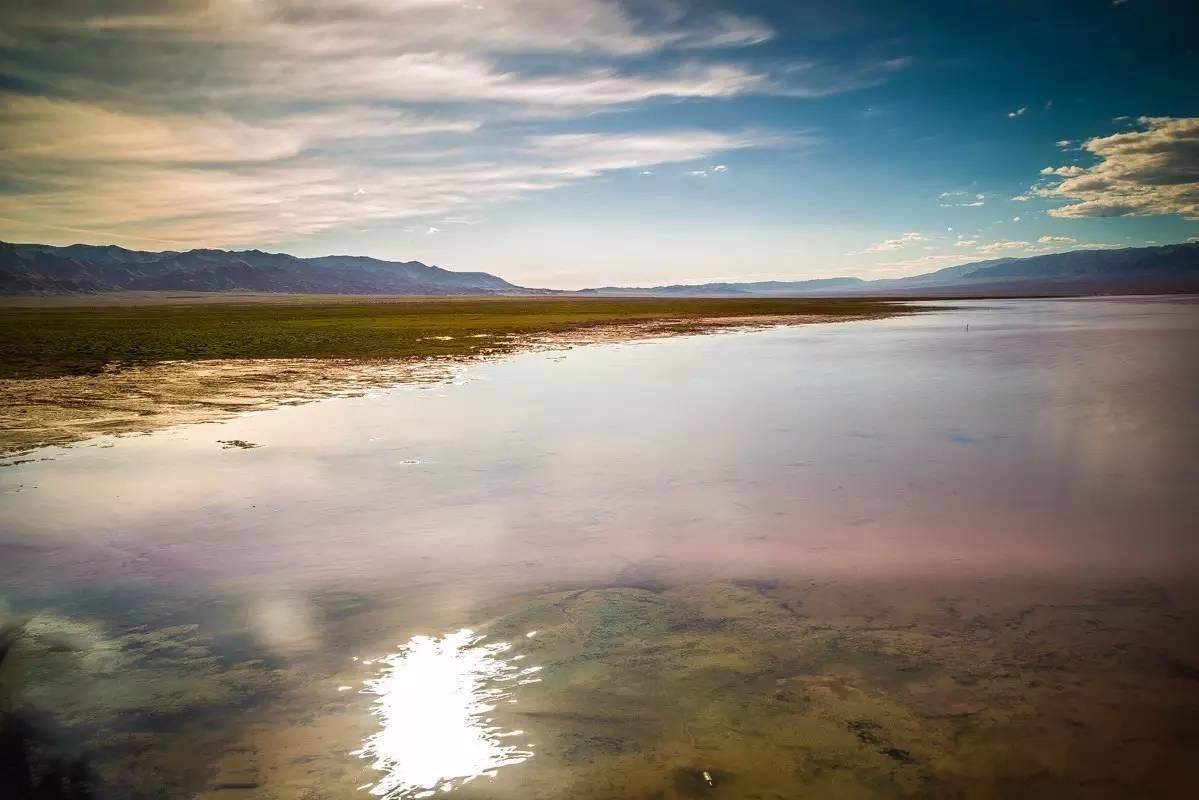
x=575 y=143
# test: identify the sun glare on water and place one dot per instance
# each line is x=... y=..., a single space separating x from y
x=434 y=700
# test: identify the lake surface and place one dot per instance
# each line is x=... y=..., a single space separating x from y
x=943 y=555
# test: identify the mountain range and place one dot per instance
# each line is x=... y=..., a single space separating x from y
x=80 y=268
x=1134 y=270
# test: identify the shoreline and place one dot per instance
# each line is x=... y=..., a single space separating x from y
x=61 y=410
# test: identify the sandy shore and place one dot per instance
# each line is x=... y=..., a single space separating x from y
x=36 y=412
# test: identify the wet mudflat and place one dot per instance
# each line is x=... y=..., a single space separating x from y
x=72 y=368
x=889 y=558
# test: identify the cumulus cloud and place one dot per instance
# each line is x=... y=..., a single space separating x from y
x=1064 y=172
x=1151 y=171
x=1057 y=240
x=898 y=242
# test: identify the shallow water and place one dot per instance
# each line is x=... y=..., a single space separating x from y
x=891 y=558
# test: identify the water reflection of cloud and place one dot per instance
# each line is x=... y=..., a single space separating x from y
x=1048 y=430
x=284 y=623
x=434 y=700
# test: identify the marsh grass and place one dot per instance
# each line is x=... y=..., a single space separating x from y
x=45 y=339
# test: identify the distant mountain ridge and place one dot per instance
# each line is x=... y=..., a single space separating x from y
x=79 y=268
x=780 y=288
x=1135 y=270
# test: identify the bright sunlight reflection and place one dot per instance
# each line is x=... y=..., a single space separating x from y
x=434 y=698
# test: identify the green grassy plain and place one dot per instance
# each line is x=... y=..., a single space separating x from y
x=51 y=338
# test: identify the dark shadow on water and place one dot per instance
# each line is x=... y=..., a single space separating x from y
x=32 y=763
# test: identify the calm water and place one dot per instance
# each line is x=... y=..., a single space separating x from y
x=888 y=558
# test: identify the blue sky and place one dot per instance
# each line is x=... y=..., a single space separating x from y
x=590 y=142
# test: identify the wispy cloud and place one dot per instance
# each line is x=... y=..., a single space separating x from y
x=904 y=240
x=228 y=122
x=188 y=204
x=1002 y=246
x=1019 y=112
x=915 y=264
x=42 y=127
x=962 y=199
x=704 y=173
x=591 y=153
